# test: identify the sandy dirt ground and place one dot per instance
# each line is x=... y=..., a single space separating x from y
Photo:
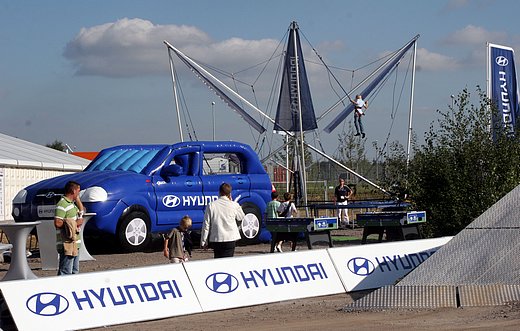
x=325 y=313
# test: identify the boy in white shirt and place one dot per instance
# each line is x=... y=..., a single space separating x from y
x=359 y=105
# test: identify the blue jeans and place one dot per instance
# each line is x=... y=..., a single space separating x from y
x=358 y=124
x=68 y=265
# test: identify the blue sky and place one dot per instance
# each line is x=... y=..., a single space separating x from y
x=94 y=74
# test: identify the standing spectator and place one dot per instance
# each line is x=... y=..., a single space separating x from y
x=220 y=227
x=68 y=218
x=287 y=209
x=272 y=206
x=175 y=243
x=341 y=195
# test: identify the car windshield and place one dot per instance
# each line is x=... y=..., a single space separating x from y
x=123 y=159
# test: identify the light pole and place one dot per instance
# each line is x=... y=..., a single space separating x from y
x=213 y=114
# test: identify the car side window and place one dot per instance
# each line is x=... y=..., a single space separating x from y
x=222 y=164
x=185 y=161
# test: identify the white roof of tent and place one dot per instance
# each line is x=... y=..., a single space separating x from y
x=15 y=152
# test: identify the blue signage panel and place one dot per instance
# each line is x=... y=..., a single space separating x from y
x=503 y=89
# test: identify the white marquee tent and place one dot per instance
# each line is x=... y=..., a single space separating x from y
x=23 y=163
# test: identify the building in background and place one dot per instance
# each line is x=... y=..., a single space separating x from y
x=23 y=163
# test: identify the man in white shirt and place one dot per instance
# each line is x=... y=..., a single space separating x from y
x=220 y=224
x=359 y=105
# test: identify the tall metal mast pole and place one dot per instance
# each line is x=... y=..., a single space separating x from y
x=411 y=105
x=302 y=146
x=174 y=84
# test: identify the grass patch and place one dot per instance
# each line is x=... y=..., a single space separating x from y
x=345 y=238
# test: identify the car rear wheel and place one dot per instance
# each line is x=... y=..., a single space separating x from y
x=251 y=225
x=134 y=232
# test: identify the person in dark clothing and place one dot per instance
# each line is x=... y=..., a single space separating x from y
x=341 y=195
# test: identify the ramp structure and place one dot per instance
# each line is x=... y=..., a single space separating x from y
x=481 y=265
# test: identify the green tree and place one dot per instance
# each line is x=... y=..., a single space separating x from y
x=393 y=169
x=461 y=171
x=57 y=145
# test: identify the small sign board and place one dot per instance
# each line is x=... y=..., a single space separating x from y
x=416 y=217
x=325 y=223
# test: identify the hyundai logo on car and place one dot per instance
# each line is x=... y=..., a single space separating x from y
x=222 y=282
x=360 y=266
x=47 y=304
x=171 y=201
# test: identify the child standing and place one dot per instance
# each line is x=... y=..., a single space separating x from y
x=272 y=206
x=286 y=209
x=175 y=247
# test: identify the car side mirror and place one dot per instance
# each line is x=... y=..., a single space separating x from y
x=173 y=170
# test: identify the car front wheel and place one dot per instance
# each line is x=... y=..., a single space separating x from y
x=134 y=232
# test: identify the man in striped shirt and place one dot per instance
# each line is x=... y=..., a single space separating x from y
x=68 y=218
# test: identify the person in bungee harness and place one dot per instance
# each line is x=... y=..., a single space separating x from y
x=359 y=105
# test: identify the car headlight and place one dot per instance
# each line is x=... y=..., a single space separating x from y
x=20 y=197
x=93 y=194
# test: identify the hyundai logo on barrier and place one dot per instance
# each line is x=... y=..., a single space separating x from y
x=222 y=282
x=47 y=304
x=501 y=61
x=360 y=266
x=171 y=201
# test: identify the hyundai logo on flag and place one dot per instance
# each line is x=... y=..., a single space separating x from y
x=501 y=61
x=222 y=282
x=360 y=266
x=171 y=201
x=47 y=304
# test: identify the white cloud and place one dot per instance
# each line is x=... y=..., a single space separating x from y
x=474 y=35
x=132 y=47
x=430 y=61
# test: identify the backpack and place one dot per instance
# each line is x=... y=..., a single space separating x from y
x=286 y=210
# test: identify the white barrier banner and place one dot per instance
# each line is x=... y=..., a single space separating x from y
x=244 y=281
x=100 y=298
x=376 y=265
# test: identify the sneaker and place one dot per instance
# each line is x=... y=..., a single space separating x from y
x=357 y=134
x=278 y=248
x=362 y=135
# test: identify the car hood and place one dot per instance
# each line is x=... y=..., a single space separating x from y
x=114 y=182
